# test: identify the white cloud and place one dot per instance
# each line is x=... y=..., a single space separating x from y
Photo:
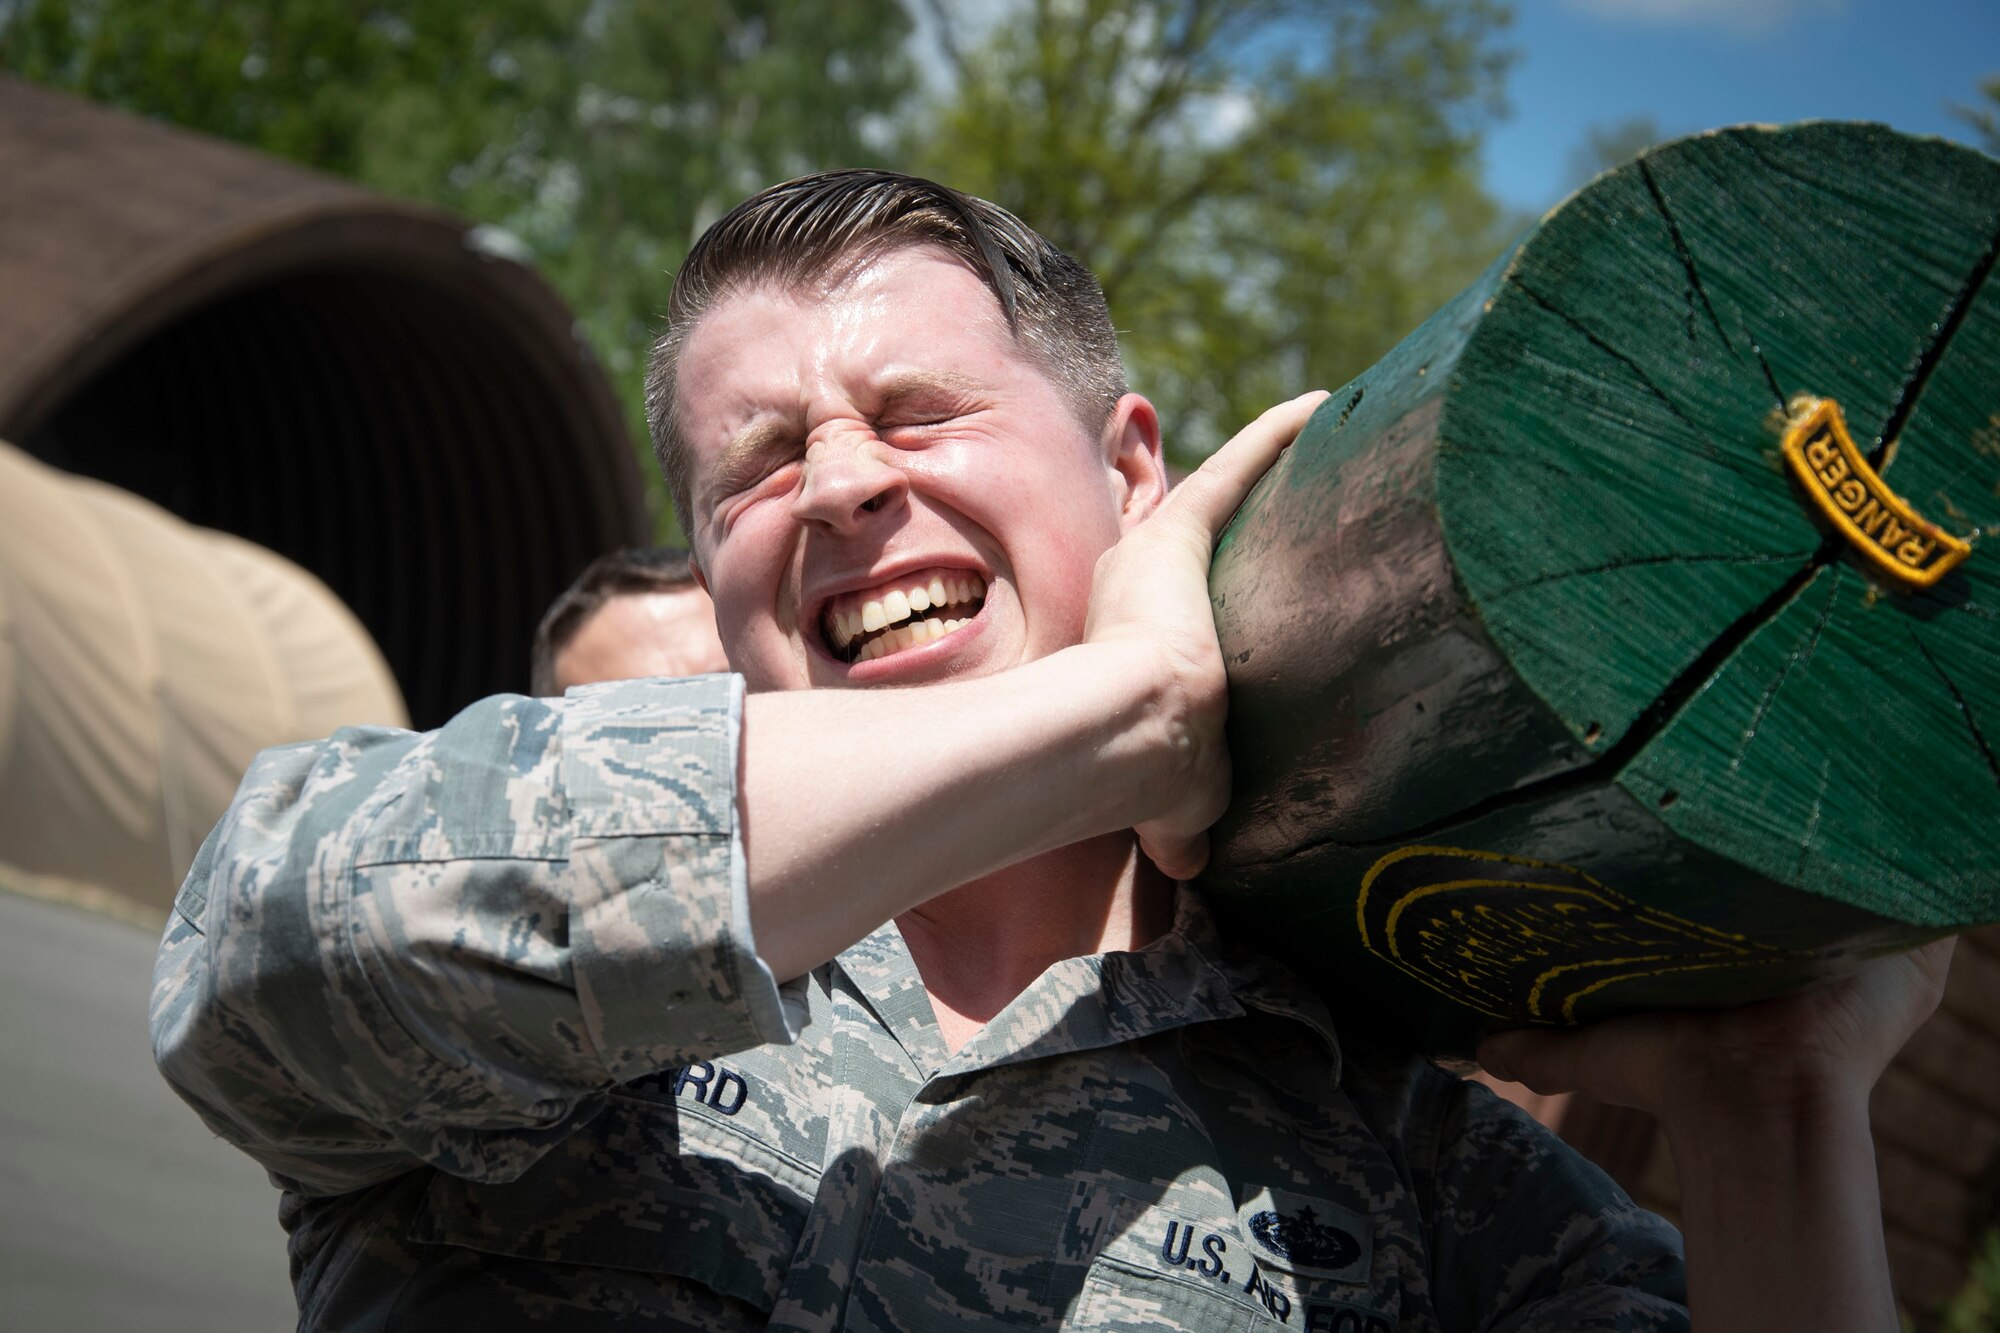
x=1216 y=120
x=1741 y=18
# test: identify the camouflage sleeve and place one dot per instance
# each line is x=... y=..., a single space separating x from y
x=444 y=948
x=1532 y=1238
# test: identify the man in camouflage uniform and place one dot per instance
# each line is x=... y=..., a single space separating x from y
x=633 y=613
x=846 y=1005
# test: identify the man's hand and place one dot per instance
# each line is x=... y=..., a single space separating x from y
x=1151 y=591
x=1772 y=1059
x=1765 y=1109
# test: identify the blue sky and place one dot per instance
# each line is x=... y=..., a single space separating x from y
x=1696 y=64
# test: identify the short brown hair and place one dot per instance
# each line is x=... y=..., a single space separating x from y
x=797 y=232
x=637 y=569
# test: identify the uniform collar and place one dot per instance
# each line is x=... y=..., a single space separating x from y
x=883 y=972
x=1186 y=976
x=1255 y=980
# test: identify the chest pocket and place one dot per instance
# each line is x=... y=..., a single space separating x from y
x=1166 y=1267
x=649 y=1186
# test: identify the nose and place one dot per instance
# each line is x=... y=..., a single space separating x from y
x=848 y=477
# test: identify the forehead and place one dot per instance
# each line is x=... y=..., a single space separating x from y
x=871 y=319
x=670 y=632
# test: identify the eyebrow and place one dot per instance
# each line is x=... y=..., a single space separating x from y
x=747 y=449
x=917 y=383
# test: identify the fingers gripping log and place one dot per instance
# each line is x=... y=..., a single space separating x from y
x=1629 y=636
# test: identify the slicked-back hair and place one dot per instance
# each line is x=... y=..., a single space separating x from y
x=636 y=569
x=795 y=234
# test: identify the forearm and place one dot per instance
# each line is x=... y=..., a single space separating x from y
x=1783 y=1219
x=860 y=806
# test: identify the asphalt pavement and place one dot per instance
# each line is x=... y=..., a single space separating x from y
x=118 y=1209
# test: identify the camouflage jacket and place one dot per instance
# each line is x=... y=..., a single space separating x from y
x=485 y=1003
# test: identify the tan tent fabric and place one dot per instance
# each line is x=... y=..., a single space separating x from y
x=143 y=662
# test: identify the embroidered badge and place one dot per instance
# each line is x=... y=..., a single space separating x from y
x=1307 y=1237
x=1896 y=540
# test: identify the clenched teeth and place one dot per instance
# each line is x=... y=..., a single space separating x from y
x=913 y=635
x=862 y=627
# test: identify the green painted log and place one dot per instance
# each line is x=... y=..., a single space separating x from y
x=1577 y=666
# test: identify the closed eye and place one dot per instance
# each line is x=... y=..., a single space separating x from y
x=917 y=425
x=754 y=455
x=924 y=400
x=755 y=474
x=730 y=505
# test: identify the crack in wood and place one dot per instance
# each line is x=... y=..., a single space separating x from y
x=1658 y=715
x=1795 y=658
x=1695 y=286
x=1770 y=164
x=1638 y=561
x=1693 y=678
x=1603 y=347
x=1348 y=410
x=1685 y=255
x=1770 y=379
x=1964 y=709
x=1955 y=311
x=1812 y=820
x=1652 y=720
x=1446 y=447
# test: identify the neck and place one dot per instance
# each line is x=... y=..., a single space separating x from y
x=983 y=943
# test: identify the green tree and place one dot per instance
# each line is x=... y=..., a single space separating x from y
x=1272 y=192
x=1976 y=1307
x=1606 y=146
x=597 y=136
x=1984 y=116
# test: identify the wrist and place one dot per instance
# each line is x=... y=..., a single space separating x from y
x=1747 y=1114
x=1148 y=748
x=1779 y=1206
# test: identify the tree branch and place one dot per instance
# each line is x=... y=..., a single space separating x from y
x=948 y=39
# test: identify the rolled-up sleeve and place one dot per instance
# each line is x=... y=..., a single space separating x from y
x=446 y=948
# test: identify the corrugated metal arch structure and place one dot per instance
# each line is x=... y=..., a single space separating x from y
x=350 y=381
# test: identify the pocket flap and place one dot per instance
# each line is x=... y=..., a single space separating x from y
x=642 y=1187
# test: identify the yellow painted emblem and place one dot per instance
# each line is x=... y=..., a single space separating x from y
x=1899 y=542
x=1524 y=940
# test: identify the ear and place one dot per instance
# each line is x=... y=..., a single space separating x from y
x=1137 y=467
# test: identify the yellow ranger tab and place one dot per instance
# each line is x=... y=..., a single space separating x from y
x=1894 y=538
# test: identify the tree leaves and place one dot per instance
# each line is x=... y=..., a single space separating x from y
x=600 y=135
x=1272 y=191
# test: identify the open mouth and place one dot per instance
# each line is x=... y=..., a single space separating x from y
x=905 y=613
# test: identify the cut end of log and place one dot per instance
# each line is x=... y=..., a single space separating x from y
x=1666 y=576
